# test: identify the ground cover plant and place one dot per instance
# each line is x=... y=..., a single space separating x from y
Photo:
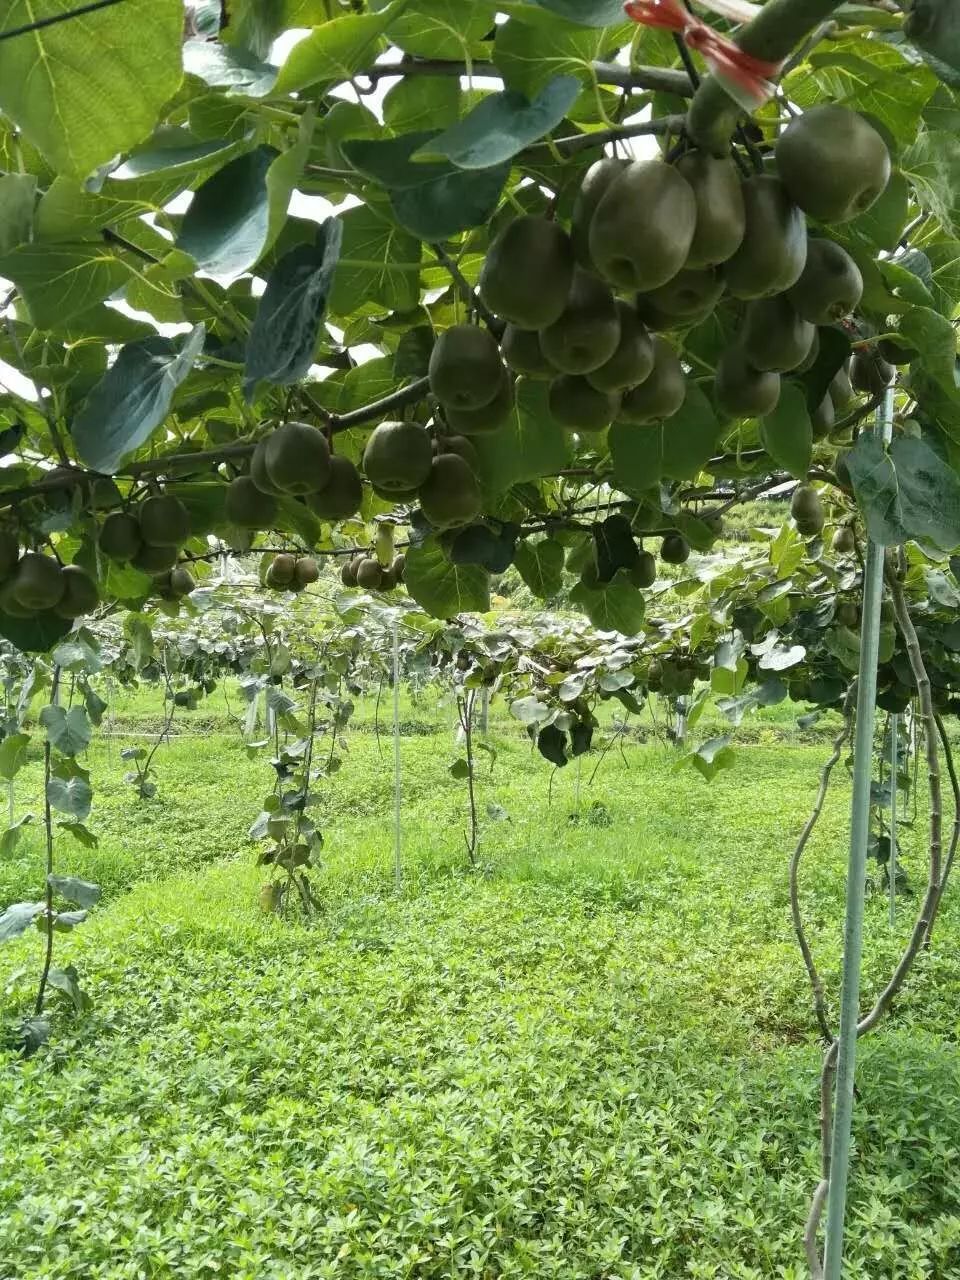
x=590 y=362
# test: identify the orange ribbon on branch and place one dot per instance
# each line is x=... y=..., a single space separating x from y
x=748 y=80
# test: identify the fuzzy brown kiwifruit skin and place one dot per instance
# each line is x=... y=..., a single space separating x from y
x=775 y=338
x=595 y=183
x=120 y=538
x=773 y=253
x=577 y=405
x=489 y=417
x=369 y=574
x=721 y=217
x=830 y=286
x=521 y=350
x=870 y=374
x=296 y=458
x=844 y=541
x=632 y=362
x=306 y=571
x=80 y=594
x=164 y=521
x=280 y=571
x=248 y=507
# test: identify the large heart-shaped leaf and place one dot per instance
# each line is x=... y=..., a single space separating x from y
x=133 y=398
x=225 y=229
x=528 y=446
x=59 y=282
x=905 y=492
x=17 y=919
x=678 y=448
x=442 y=588
x=68 y=730
x=87 y=90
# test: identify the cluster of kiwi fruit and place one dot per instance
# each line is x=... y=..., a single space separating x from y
x=405 y=463
x=150 y=536
x=287 y=572
x=654 y=246
x=367 y=572
x=675 y=675
x=294 y=461
x=35 y=583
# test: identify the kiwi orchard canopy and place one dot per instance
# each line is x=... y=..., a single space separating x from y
x=648 y=265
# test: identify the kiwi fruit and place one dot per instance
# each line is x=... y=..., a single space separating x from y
x=399 y=566
x=833 y=163
x=870 y=373
x=296 y=458
x=721 y=216
x=844 y=541
x=306 y=571
x=775 y=338
x=369 y=573
x=595 y=183
x=280 y=571
x=37 y=582
x=527 y=273
x=164 y=521
x=181 y=582
x=643 y=573
x=579 y=406
x=154 y=560
x=465 y=367
x=661 y=394
x=450 y=496
x=674 y=549
x=521 y=350
x=258 y=470
x=807 y=510
x=632 y=362
x=823 y=418
x=120 y=538
x=693 y=292
x=740 y=391
x=830 y=286
x=248 y=507
x=490 y=417
x=342 y=496
x=587 y=333
x=643 y=226
x=397 y=457
x=773 y=252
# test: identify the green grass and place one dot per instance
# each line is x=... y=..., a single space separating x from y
x=590 y=1059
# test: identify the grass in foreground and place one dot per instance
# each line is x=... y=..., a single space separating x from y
x=592 y=1059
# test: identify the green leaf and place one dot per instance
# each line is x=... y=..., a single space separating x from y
x=590 y=13
x=86 y=90
x=287 y=324
x=540 y=565
x=787 y=434
x=378 y=263
x=906 y=492
x=225 y=229
x=884 y=221
x=18 y=193
x=73 y=796
x=17 y=919
x=67 y=981
x=421 y=102
x=69 y=731
x=432 y=201
x=528 y=446
x=37 y=634
x=932 y=165
x=502 y=125
x=445 y=29
x=460 y=769
x=11 y=837
x=334 y=51
x=13 y=755
x=225 y=68
x=80 y=892
x=710 y=758
x=61 y=281
x=529 y=55
x=678 y=448
x=133 y=398
x=935 y=339
x=170 y=152
x=441 y=588
x=616 y=606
